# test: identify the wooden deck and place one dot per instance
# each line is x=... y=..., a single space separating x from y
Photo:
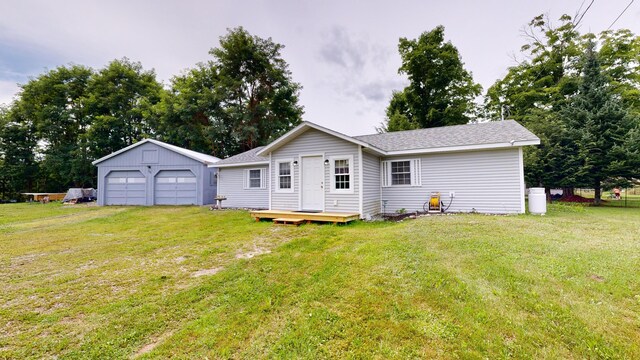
x=333 y=217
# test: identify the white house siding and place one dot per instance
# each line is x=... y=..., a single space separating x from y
x=371 y=184
x=487 y=181
x=314 y=142
x=231 y=185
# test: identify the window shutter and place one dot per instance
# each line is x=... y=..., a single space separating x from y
x=263 y=180
x=385 y=174
x=416 y=173
x=245 y=181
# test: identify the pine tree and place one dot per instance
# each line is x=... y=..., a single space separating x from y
x=597 y=126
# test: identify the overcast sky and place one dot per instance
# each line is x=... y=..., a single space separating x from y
x=344 y=53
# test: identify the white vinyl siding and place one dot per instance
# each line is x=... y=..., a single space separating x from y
x=402 y=172
x=254 y=179
x=341 y=169
x=314 y=142
x=371 y=185
x=485 y=181
x=231 y=184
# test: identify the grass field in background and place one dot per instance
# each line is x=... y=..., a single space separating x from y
x=628 y=198
x=157 y=282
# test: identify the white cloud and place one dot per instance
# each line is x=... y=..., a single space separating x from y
x=343 y=53
x=8 y=89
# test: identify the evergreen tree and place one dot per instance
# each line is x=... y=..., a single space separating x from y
x=598 y=126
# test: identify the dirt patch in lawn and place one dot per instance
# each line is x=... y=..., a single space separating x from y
x=152 y=345
x=207 y=272
x=255 y=252
x=597 y=278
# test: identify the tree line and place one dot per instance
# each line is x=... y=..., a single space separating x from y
x=67 y=117
x=580 y=93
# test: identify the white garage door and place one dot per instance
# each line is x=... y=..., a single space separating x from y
x=125 y=188
x=176 y=187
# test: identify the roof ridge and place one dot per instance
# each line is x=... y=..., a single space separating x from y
x=437 y=127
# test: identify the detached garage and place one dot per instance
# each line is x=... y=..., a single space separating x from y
x=151 y=172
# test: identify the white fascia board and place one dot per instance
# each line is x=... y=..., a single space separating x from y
x=239 y=164
x=464 y=148
x=120 y=151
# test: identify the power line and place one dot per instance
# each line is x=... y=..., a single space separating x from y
x=585 y=11
x=622 y=13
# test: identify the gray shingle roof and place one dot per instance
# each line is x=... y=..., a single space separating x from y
x=493 y=132
x=245 y=157
x=488 y=133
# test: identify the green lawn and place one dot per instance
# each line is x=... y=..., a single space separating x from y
x=89 y=282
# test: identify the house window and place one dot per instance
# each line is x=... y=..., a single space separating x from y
x=284 y=175
x=342 y=174
x=401 y=173
x=254 y=179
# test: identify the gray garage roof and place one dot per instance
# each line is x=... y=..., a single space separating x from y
x=248 y=157
x=493 y=132
x=203 y=158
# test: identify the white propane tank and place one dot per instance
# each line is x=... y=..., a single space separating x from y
x=537 y=201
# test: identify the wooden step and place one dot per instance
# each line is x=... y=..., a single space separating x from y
x=286 y=221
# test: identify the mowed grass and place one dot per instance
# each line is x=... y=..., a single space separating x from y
x=115 y=282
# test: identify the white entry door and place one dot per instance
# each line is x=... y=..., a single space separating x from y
x=312 y=183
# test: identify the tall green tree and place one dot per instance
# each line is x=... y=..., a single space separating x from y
x=190 y=110
x=243 y=98
x=121 y=105
x=440 y=91
x=53 y=102
x=535 y=91
x=19 y=169
x=619 y=56
x=598 y=125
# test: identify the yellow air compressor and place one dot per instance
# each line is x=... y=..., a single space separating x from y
x=435 y=206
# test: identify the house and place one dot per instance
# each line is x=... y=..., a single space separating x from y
x=151 y=172
x=475 y=167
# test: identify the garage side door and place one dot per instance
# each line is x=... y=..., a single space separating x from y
x=125 y=188
x=176 y=187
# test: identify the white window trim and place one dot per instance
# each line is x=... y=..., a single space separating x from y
x=332 y=163
x=276 y=173
x=247 y=180
x=415 y=168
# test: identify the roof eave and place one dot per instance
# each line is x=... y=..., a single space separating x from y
x=515 y=144
x=113 y=154
x=158 y=143
x=239 y=164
